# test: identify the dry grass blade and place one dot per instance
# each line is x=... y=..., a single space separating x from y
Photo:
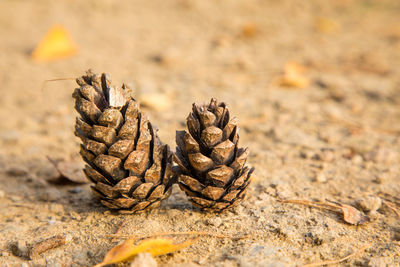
x=179 y=233
x=313 y=204
x=127 y=251
x=338 y=260
x=392 y=207
x=55 y=80
x=350 y=214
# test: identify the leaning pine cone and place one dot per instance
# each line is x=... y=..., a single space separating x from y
x=126 y=161
x=213 y=171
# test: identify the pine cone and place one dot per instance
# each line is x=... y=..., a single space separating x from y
x=213 y=172
x=126 y=161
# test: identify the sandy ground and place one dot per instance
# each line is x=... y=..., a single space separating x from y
x=336 y=139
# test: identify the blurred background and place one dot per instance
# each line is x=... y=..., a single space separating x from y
x=315 y=85
x=181 y=51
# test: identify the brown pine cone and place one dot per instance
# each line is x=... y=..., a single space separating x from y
x=213 y=172
x=126 y=161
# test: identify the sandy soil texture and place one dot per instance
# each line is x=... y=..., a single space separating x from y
x=336 y=139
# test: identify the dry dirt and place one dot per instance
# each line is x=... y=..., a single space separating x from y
x=336 y=139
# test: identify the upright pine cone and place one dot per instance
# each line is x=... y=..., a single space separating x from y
x=213 y=172
x=126 y=161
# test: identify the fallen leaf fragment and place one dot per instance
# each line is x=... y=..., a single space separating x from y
x=70 y=171
x=127 y=251
x=293 y=76
x=56 y=44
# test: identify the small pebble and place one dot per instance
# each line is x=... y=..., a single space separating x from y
x=214 y=221
x=144 y=260
x=75 y=215
x=370 y=204
x=56 y=208
x=51 y=194
x=357 y=159
x=15 y=198
x=5 y=253
x=75 y=190
x=321 y=177
x=68 y=238
x=173 y=213
x=327 y=155
x=20 y=249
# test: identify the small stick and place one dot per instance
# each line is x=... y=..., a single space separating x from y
x=338 y=260
x=54 y=80
x=177 y=233
x=118 y=230
x=392 y=207
x=45 y=245
x=320 y=205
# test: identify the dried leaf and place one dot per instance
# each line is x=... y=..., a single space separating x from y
x=56 y=44
x=248 y=30
x=353 y=216
x=293 y=76
x=127 y=251
x=70 y=171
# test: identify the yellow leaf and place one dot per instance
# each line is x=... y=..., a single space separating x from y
x=293 y=76
x=127 y=252
x=326 y=25
x=56 y=44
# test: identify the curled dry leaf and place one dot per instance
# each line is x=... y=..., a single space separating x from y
x=56 y=44
x=127 y=251
x=293 y=76
x=353 y=216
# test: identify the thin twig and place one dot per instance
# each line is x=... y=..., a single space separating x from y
x=176 y=233
x=338 y=260
x=391 y=207
x=316 y=204
x=54 y=80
